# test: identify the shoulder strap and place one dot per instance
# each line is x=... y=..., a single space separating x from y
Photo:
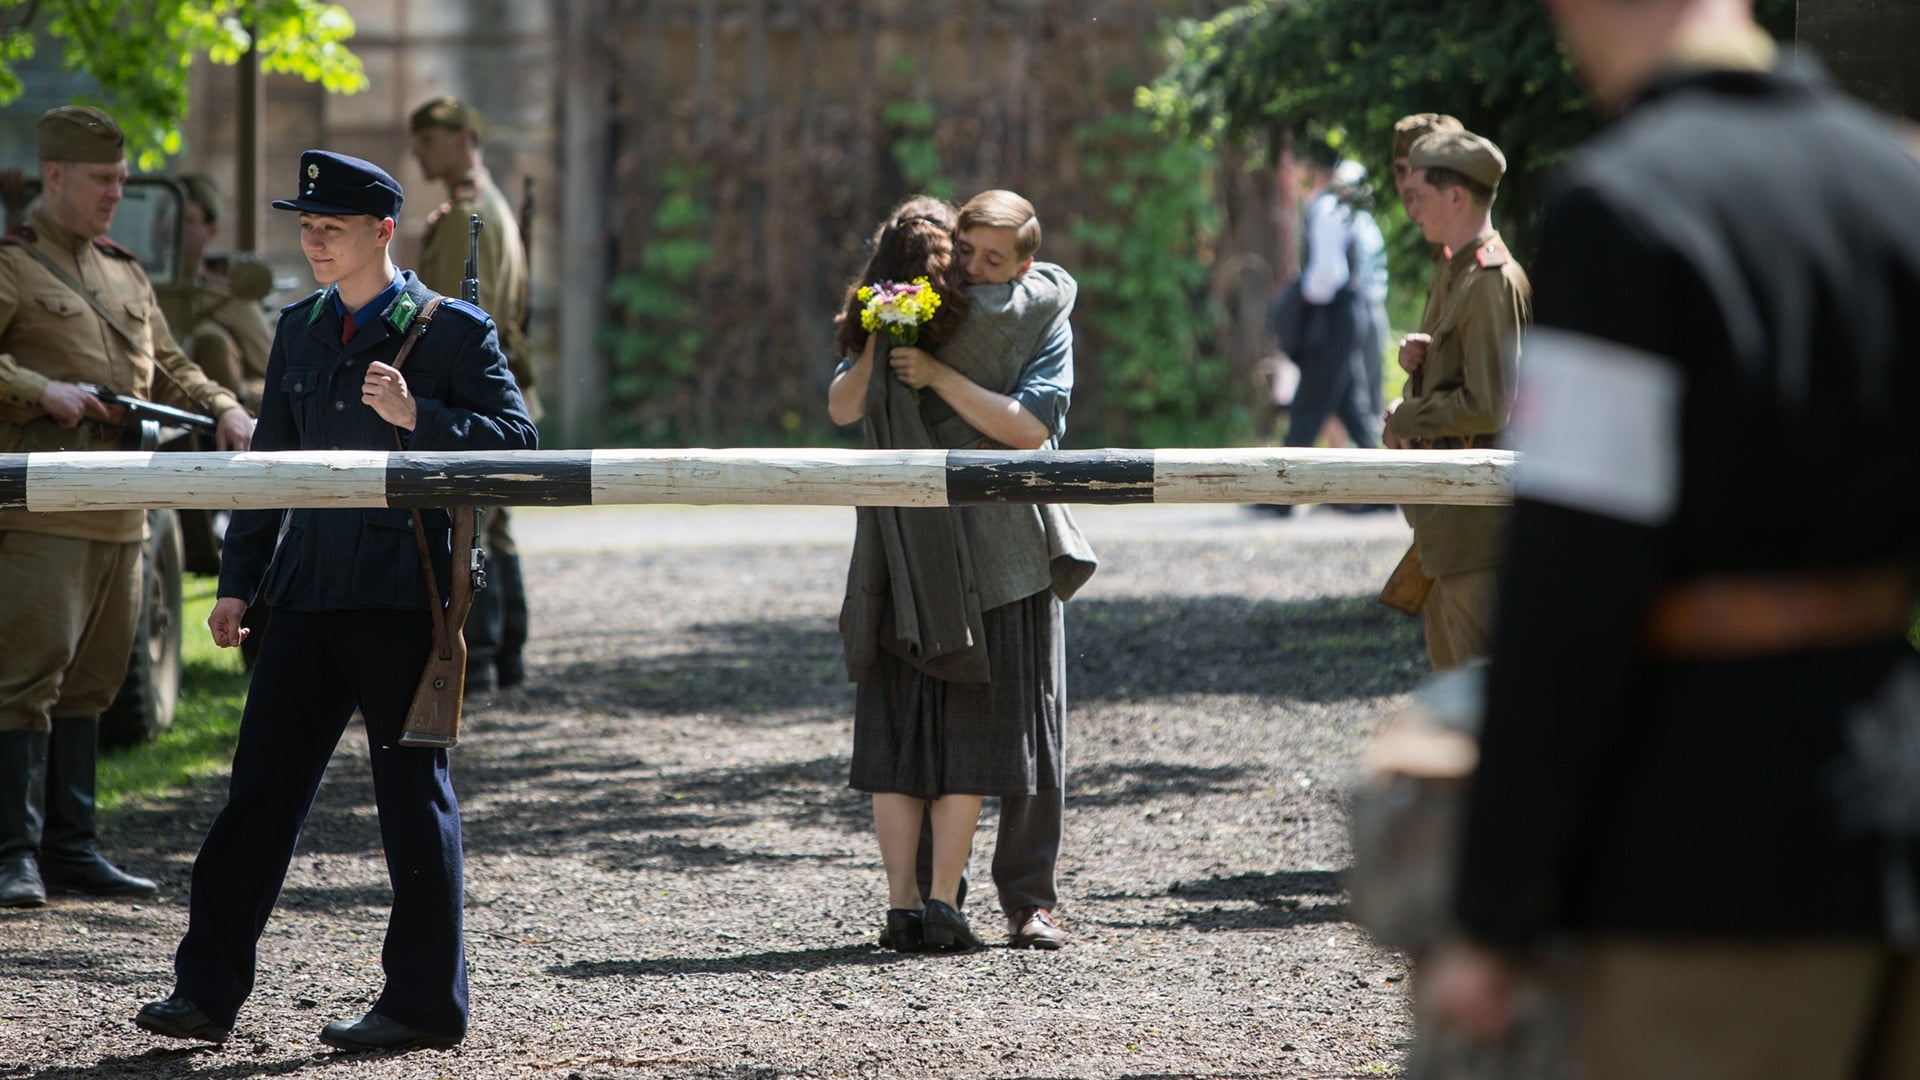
x=441 y=634
x=86 y=294
x=414 y=331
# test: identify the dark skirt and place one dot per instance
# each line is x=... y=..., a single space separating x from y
x=917 y=735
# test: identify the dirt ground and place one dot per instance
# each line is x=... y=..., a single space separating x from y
x=667 y=875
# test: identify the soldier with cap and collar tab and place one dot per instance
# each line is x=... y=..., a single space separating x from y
x=1465 y=394
x=446 y=144
x=74 y=307
x=350 y=623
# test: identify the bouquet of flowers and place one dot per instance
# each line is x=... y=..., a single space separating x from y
x=901 y=308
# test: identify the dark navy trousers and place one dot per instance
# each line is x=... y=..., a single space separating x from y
x=314 y=668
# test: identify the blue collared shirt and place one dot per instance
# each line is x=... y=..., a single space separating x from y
x=364 y=317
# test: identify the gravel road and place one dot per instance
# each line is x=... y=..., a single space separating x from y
x=668 y=876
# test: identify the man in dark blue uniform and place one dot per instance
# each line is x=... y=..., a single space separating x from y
x=1701 y=754
x=350 y=623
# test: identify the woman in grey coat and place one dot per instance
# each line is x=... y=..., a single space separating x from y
x=953 y=624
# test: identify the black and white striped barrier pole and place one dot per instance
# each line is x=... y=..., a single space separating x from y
x=336 y=478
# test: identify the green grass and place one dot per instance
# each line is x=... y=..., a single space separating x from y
x=213 y=687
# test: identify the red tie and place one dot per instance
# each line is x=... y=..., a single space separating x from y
x=347 y=329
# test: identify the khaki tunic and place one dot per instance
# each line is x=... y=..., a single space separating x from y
x=49 y=332
x=1474 y=316
x=229 y=338
x=504 y=282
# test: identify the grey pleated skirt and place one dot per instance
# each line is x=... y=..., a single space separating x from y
x=917 y=735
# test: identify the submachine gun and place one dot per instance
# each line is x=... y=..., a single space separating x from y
x=142 y=428
x=433 y=720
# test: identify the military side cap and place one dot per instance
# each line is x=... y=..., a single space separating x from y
x=450 y=113
x=1462 y=151
x=342 y=186
x=1408 y=129
x=205 y=192
x=79 y=133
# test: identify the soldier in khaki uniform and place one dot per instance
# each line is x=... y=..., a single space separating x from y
x=1464 y=395
x=74 y=307
x=219 y=320
x=446 y=143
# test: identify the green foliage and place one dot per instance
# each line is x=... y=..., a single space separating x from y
x=206 y=719
x=1143 y=284
x=914 y=149
x=1353 y=67
x=139 y=54
x=659 y=328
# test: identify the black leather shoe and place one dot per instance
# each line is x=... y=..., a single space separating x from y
x=20 y=884
x=946 y=929
x=512 y=671
x=88 y=873
x=179 y=1018
x=903 y=931
x=376 y=1032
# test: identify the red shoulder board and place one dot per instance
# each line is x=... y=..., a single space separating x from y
x=20 y=234
x=1493 y=253
x=107 y=245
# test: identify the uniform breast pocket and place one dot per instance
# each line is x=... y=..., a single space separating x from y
x=302 y=385
x=138 y=312
x=63 y=305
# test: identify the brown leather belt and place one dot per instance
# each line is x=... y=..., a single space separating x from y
x=1456 y=442
x=1728 y=617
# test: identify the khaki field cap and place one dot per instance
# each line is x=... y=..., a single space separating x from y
x=79 y=133
x=450 y=113
x=1462 y=151
x=206 y=193
x=1408 y=129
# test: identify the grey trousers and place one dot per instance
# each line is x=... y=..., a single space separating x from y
x=1026 y=853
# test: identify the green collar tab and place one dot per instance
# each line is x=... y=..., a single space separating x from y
x=401 y=314
x=319 y=305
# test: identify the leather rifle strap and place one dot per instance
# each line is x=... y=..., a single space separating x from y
x=442 y=640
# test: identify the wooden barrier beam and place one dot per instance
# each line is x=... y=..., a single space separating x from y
x=229 y=481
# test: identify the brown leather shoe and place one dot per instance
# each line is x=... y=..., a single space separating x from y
x=1035 y=928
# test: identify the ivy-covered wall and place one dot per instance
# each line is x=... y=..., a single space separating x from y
x=759 y=142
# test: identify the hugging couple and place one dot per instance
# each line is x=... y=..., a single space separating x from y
x=952 y=622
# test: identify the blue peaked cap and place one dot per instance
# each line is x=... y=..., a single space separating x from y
x=343 y=186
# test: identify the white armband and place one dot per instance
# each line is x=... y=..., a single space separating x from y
x=1597 y=424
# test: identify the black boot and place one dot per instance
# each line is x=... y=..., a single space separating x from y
x=503 y=574
x=68 y=857
x=23 y=787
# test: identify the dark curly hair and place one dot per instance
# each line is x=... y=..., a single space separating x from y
x=915 y=240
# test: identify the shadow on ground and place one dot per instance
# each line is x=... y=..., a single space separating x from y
x=1122 y=651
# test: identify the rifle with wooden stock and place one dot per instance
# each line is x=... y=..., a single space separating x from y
x=433 y=719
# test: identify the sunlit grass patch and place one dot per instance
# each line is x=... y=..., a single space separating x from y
x=213 y=687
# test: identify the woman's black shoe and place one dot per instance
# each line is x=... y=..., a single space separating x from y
x=946 y=929
x=902 y=933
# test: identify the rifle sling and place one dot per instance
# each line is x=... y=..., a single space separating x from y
x=442 y=640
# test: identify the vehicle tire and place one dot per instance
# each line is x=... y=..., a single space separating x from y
x=144 y=707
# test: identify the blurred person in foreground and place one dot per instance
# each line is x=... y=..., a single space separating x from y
x=1704 y=775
